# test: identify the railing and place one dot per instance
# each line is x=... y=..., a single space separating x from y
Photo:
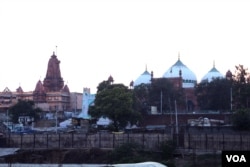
x=188 y=141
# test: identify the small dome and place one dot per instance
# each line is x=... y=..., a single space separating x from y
x=19 y=90
x=188 y=77
x=111 y=79
x=229 y=75
x=39 y=87
x=144 y=78
x=212 y=74
x=66 y=89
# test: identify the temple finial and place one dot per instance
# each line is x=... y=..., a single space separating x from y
x=179 y=55
x=213 y=64
x=146 y=68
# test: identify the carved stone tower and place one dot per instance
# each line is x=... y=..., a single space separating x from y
x=53 y=82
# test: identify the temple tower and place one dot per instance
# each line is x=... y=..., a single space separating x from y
x=53 y=81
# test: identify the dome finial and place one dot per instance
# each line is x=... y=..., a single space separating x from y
x=213 y=64
x=146 y=67
x=179 y=55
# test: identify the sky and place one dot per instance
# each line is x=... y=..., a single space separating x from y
x=94 y=39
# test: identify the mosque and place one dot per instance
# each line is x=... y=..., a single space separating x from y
x=182 y=77
x=179 y=74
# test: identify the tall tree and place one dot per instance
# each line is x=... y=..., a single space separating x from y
x=214 y=95
x=163 y=94
x=114 y=101
x=24 y=108
x=141 y=98
x=241 y=88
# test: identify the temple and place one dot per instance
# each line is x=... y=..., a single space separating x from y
x=51 y=95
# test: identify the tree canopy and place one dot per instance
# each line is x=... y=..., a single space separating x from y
x=114 y=101
x=163 y=93
x=225 y=94
x=241 y=88
x=214 y=95
x=24 y=108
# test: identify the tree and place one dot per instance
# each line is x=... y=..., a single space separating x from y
x=163 y=94
x=114 y=101
x=241 y=88
x=141 y=98
x=214 y=95
x=241 y=119
x=24 y=108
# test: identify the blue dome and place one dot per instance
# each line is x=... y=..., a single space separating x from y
x=212 y=74
x=144 y=78
x=188 y=77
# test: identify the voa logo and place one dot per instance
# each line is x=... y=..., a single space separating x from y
x=236 y=158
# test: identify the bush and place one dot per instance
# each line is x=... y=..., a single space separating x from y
x=241 y=119
x=130 y=153
x=167 y=148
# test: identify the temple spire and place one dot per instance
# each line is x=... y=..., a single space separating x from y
x=53 y=80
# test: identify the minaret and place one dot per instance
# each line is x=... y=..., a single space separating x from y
x=53 y=81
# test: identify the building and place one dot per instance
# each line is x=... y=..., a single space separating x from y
x=87 y=100
x=211 y=75
x=51 y=95
x=182 y=78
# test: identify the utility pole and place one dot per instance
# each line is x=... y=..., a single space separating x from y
x=161 y=101
x=56 y=118
x=231 y=99
x=176 y=117
x=176 y=123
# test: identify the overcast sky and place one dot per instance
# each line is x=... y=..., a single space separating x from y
x=96 y=39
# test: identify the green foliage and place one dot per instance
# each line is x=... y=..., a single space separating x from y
x=24 y=108
x=129 y=153
x=141 y=98
x=114 y=101
x=241 y=88
x=164 y=93
x=167 y=147
x=214 y=95
x=241 y=119
x=134 y=153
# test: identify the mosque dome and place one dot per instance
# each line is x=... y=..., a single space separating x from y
x=212 y=74
x=188 y=77
x=144 y=78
